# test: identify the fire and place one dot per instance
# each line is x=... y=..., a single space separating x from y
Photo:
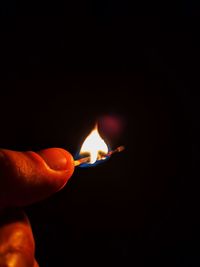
x=93 y=145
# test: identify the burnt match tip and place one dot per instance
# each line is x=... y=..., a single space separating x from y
x=120 y=148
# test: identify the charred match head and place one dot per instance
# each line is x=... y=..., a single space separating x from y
x=119 y=149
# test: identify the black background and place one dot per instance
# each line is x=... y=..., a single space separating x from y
x=63 y=66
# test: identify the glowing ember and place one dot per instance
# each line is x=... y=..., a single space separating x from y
x=94 y=145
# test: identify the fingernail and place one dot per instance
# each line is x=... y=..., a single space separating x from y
x=56 y=158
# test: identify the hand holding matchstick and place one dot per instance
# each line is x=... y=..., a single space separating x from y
x=27 y=177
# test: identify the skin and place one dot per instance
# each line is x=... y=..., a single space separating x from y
x=25 y=178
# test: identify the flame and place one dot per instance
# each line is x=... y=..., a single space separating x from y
x=93 y=145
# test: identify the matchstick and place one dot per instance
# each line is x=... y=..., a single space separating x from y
x=101 y=156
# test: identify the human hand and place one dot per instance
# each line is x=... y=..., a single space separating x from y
x=25 y=178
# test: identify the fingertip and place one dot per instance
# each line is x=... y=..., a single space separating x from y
x=59 y=160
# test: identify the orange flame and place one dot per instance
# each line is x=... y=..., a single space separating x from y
x=93 y=145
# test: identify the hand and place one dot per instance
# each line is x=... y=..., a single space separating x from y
x=26 y=177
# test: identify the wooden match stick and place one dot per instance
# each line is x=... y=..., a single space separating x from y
x=102 y=156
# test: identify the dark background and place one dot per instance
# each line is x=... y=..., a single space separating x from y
x=63 y=66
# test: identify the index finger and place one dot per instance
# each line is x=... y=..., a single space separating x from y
x=27 y=177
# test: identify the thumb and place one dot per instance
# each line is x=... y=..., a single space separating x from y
x=27 y=177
